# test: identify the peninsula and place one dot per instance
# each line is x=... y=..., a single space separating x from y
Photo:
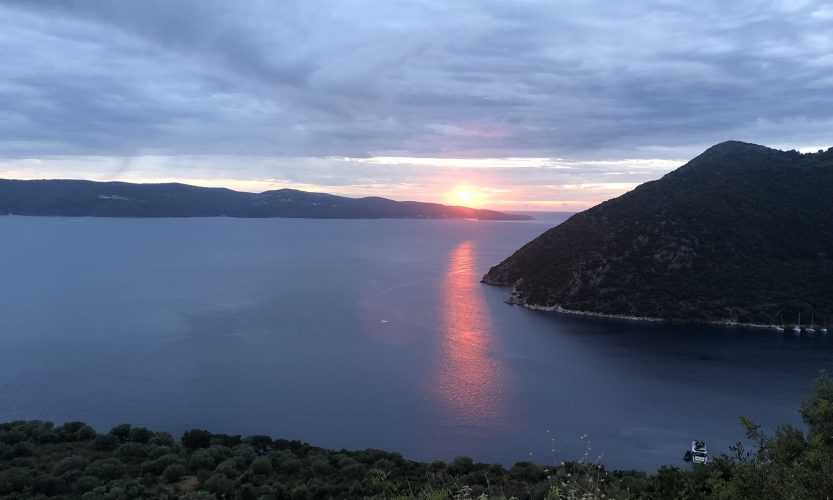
x=740 y=234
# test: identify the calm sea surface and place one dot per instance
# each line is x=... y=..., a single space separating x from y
x=357 y=334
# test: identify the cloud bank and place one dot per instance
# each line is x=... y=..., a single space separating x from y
x=319 y=93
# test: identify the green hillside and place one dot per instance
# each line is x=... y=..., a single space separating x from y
x=740 y=233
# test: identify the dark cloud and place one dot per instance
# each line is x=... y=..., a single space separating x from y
x=361 y=78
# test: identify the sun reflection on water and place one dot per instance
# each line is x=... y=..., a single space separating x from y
x=469 y=384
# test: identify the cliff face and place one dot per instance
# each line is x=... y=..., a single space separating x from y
x=121 y=199
x=739 y=233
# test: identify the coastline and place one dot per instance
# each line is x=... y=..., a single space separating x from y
x=574 y=312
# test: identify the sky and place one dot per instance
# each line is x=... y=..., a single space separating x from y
x=505 y=104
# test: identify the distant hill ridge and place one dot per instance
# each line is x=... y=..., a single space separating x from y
x=122 y=199
x=741 y=233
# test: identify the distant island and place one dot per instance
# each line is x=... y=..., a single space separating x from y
x=80 y=198
x=740 y=234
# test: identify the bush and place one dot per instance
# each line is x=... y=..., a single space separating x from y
x=12 y=436
x=24 y=449
x=244 y=455
x=196 y=438
x=219 y=484
x=48 y=437
x=139 y=435
x=162 y=439
x=131 y=450
x=202 y=460
x=76 y=431
x=106 y=442
x=460 y=466
x=261 y=444
x=154 y=452
x=47 y=485
x=173 y=472
x=286 y=462
x=15 y=479
x=228 y=467
x=73 y=462
x=261 y=465
x=106 y=469
x=158 y=465
x=526 y=472
x=121 y=432
x=85 y=484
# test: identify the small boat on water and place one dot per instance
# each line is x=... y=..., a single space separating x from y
x=797 y=326
x=779 y=327
x=810 y=328
x=697 y=454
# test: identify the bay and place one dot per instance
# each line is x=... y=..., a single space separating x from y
x=362 y=333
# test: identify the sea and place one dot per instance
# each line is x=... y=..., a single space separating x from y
x=362 y=334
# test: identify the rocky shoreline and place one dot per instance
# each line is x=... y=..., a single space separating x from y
x=573 y=312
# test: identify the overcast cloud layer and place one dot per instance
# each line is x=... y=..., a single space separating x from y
x=351 y=96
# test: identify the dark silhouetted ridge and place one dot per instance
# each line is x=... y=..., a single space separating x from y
x=122 y=199
x=740 y=233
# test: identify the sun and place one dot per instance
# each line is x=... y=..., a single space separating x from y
x=466 y=196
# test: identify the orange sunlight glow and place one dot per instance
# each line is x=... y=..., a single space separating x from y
x=467 y=196
x=470 y=380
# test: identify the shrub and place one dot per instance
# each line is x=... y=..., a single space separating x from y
x=261 y=444
x=460 y=466
x=15 y=479
x=106 y=469
x=162 y=439
x=286 y=461
x=201 y=460
x=173 y=472
x=139 y=435
x=72 y=462
x=154 y=452
x=244 y=455
x=85 y=484
x=131 y=450
x=196 y=438
x=261 y=465
x=23 y=449
x=86 y=433
x=526 y=472
x=228 y=467
x=121 y=432
x=12 y=436
x=219 y=484
x=158 y=465
x=47 y=437
x=47 y=485
x=76 y=431
x=106 y=442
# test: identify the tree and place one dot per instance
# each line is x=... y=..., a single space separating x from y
x=196 y=438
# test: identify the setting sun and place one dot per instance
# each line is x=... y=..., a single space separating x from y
x=466 y=196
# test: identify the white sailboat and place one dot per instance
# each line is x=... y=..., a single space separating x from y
x=824 y=328
x=797 y=327
x=780 y=326
x=810 y=328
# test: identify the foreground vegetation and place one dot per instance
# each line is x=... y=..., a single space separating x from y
x=39 y=459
